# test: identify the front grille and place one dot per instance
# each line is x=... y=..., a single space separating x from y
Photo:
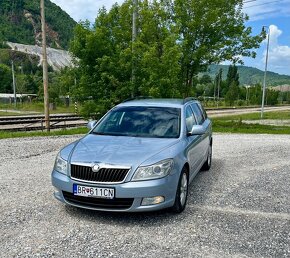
x=114 y=175
x=112 y=204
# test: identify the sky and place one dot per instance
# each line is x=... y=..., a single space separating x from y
x=275 y=14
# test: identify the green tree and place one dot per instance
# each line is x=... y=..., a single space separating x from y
x=232 y=94
x=205 y=79
x=232 y=85
x=232 y=76
x=5 y=79
x=157 y=53
x=211 y=31
x=272 y=97
x=176 y=40
x=105 y=56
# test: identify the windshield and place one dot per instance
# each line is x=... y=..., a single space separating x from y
x=156 y=122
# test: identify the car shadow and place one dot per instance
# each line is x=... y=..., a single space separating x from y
x=146 y=219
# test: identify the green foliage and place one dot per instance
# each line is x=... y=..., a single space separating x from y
x=232 y=94
x=205 y=79
x=211 y=32
x=273 y=115
x=71 y=131
x=5 y=79
x=228 y=126
x=27 y=73
x=232 y=85
x=91 y=109
x=176 y=40
x=20 y=22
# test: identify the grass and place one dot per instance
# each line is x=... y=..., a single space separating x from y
x=5 y=134
x=256 y=116
x=234 y=124
x=38 y=107
x=9 y=113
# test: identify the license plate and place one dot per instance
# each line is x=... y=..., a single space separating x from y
x=97 y=192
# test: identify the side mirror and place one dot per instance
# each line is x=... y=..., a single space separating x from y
x=197 y=130
x=91 y=124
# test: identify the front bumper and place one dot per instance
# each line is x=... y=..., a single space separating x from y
x=136 y=190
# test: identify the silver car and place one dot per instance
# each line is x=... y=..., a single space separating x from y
x=141 y=156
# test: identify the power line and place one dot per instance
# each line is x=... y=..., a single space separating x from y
x=263 y=4
x=249 y=1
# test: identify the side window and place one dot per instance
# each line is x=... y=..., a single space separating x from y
x=203 y=110
x=198 y=113
x=190 y=119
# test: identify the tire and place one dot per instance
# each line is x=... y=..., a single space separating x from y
x=181 y=192
x=207 y=164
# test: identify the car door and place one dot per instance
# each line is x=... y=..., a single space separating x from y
x=201 y=118
x=194 y=143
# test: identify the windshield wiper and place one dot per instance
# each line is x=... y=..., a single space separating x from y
x=108 y=134
x=99 y=133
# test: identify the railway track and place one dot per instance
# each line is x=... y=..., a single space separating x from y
x=57 y=121
x=37 y=122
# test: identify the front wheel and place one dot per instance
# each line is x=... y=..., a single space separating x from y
x=181 y=192
x=206 y=166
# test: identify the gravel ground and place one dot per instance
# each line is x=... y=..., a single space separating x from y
x=240 y=208
x=275 y=122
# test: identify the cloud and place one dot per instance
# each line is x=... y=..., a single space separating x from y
x=279 y=55
x=84 y=9
x=265 y=9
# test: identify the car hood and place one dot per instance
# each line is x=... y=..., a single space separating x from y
x=119 y=150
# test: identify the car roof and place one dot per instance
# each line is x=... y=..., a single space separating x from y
x=177 y=103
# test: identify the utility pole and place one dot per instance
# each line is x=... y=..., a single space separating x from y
x=265 y=73
x=44 y=65
x=134 y=36
x=215 y=85
x=14 y=84
x=219 y=85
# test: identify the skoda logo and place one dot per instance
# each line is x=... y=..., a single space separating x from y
x=96 y=168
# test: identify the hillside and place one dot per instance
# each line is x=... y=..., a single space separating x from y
x=250 y=75
x=56 y=58
x=20 y=23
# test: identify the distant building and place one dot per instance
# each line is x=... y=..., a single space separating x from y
x=8 y=98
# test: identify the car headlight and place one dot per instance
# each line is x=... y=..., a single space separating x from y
x=60 y=164
x=158 y=170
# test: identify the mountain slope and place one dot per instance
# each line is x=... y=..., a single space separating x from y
x=20 y=23
x=56 y=58
x=250 y=75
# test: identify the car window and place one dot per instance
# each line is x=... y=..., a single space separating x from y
x=202 y=110
x=156 y=122
x=198 y=113
x=190 y=119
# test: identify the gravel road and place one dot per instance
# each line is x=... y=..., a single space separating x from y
x=240 y=208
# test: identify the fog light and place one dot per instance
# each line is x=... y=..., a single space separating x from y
x=152 y=200
x=56 y=191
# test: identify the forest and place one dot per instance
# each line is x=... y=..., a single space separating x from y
x=20 y=23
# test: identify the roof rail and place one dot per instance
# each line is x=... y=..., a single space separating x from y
x=138 y=97
x=188 y=99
